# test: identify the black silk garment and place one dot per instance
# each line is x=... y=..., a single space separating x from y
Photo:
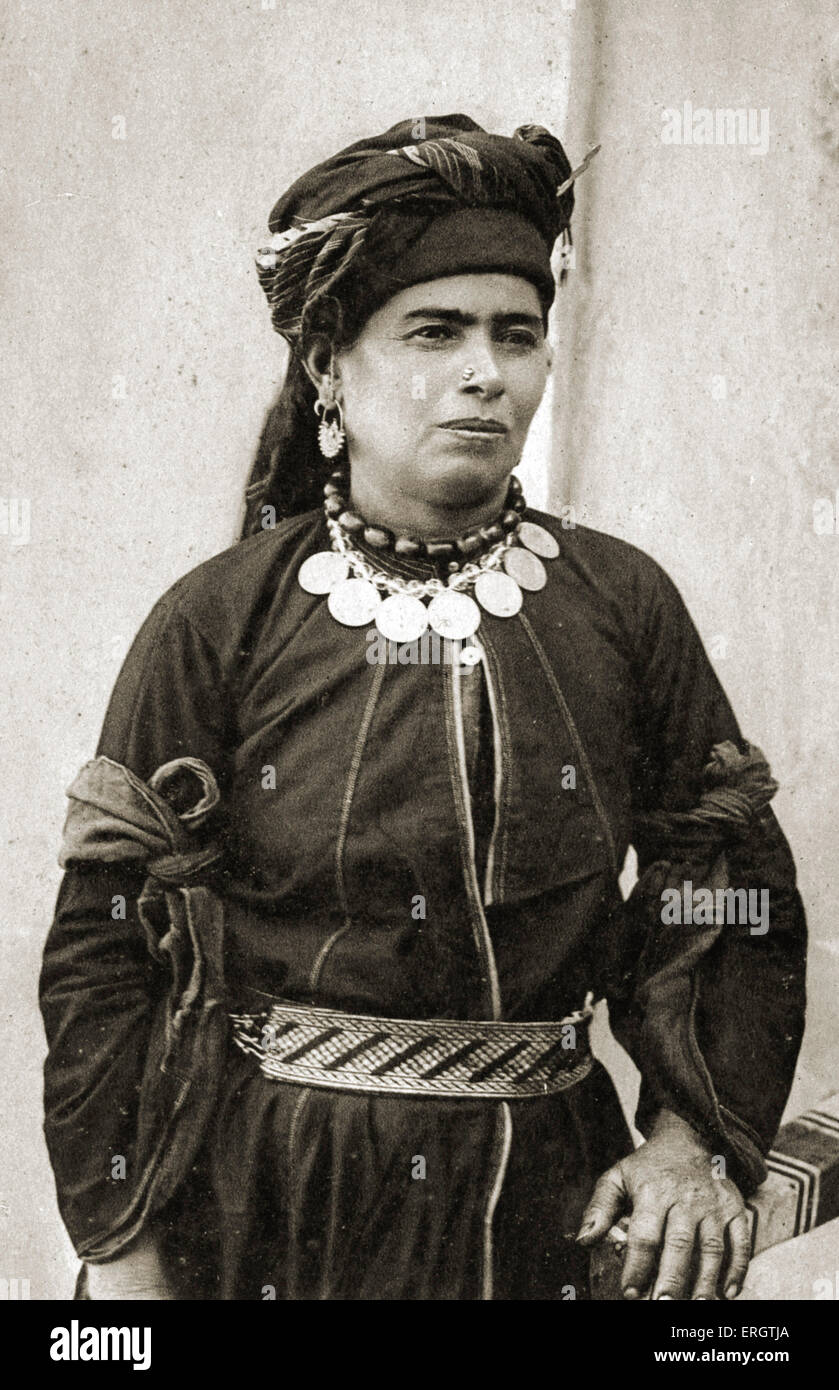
x=350 y=792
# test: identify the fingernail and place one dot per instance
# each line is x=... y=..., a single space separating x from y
x=665 y=1298
x=630 y=1293
x=732 y=1291
x=584 y=1229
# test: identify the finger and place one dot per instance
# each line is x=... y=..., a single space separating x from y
x=711 y=1256
x=644 y=1237
x=606 y=1205
x=740 y=1247
x=676 y=1256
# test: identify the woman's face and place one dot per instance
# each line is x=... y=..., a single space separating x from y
x=418 y=430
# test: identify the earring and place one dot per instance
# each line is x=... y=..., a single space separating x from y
x=331 y=433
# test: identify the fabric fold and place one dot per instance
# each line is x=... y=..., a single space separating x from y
x=116 y=817
x=656 y=985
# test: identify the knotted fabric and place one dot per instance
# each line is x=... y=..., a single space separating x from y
x=426 y=169
x=658 y=980
x=114 y=817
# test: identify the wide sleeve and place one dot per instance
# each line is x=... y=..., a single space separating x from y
x=727 y=1065
x=99 y=987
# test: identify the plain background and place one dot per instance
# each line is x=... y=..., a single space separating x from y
x=691 y=410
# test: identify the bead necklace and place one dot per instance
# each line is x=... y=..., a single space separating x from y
x=439 y=551
x=359 y=593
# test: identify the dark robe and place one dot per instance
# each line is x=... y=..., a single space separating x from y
x=601 y=710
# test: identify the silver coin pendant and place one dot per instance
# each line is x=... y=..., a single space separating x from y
x=402 y=618
x=527 y=569
x=537 y=539
x=321 y=572
x=454 y=615
x=354 y=602
x=498 y=593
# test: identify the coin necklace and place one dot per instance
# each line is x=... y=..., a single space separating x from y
x=497 y=562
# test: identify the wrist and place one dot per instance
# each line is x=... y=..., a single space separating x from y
x=668 y=1125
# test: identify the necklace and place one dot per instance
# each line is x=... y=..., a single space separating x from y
x=358 y=592
x=441 y=551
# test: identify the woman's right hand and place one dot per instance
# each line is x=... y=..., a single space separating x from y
x=138 y=1273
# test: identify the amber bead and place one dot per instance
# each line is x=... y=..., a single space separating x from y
x=334 y=506
x=439 y=551
x=515 y=485
x=378 y=537
x=492 y=534
x=519 y=505
x=470 y=543
x=509 y=521
x=351 y=522
x=407 y=547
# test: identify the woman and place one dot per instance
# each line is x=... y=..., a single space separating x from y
x=318 y=987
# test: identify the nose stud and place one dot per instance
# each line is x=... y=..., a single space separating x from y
x=468 y=373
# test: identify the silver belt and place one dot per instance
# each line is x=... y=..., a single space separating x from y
x=309 y=1046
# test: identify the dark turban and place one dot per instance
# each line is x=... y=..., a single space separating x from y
x=431 y=197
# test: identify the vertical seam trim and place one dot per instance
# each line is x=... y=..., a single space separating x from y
x=495 y=1192
x=575 y=735
x=457 y=763
x=497 y=863
x=349 y=793
x=323 y=953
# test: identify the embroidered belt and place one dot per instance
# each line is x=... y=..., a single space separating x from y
x=310 y=1046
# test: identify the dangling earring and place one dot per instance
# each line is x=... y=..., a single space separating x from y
x=331 y=433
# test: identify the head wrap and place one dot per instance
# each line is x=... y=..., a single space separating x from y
x=430 y=197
